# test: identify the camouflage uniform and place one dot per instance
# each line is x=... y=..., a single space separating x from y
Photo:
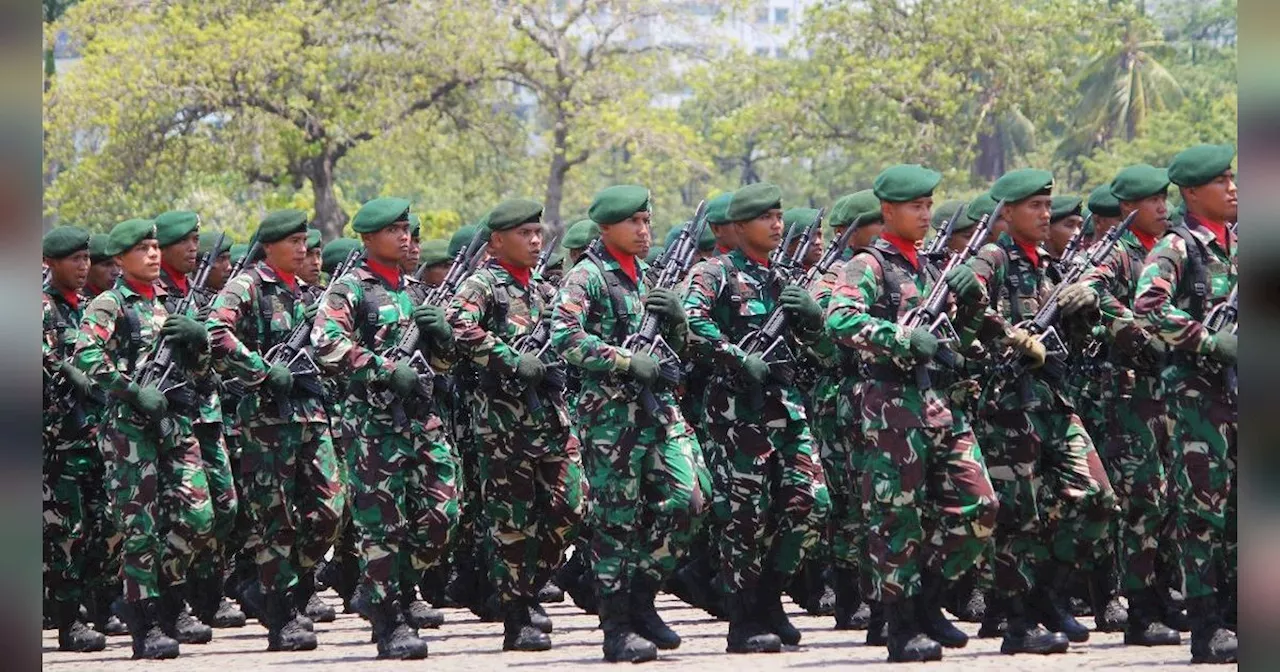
x=159 y=490
x=922 y=449
x=287 y=466
x=778 y=497
x=403 y=482
x=530 y=467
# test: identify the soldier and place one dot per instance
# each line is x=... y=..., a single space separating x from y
x=1035 y=435
x=309 y=271
x=577 y=237
x=1064 y=223
x=220 y=271
x=725 y=234
x=647 y=481
x=1187 y=274
x=530 y=467
x=72 y=479
x=1106 y=213
x=160 y=492
x=402 y=482
x=103 y=269
x=435 y=262
x=777 y=492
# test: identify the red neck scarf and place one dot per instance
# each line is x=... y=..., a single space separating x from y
x=179 y=279
x=905 y=247
x=91 y=289
x=389 y=274
x=71 y=298
x=1030 y=250
x=1218 y=229
x=626 y=262
x=762 y=261
x=520 y=274
x=721 y=249
x=143 y=288
x=1148 y=241
x=290 y=279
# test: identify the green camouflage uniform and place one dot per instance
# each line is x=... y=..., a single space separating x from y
x=288 y=466
x=404 y=497
x=778 y=497
x=924 y=469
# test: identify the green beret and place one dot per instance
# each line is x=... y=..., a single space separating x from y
x=314 y=239
x=718 y=208
x=1103 y=203
x=64 y=241
x=850 y=207
x=238 y=251
x=556 y=257
x=128 y=233
x=175 y=225
x=380 y=213
x=1136 y=182
x=943 y=214
x=415 y=225
x=1063 y=207
x=98 y=244
x=281 y=224
x=797 y=216
x=707 y=241
x=905 y=182
x=655 y=251
x=671 y=234
x=580 y=234
x=206 y=242
x=981 y=206
x=1021 y=184
x=514 y=212
x=1087 y=229
x=435 y=251
x=336 y=251
x=1199 y=165
x=752 y=201
x=617 y=203
x=462 y=238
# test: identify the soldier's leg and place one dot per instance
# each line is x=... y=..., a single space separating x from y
x=744 y=543
x=67 y=518
x=965 y=504
x=431 y=501
x=803 y=499
x=136 y=502
x=205 y=585
x=676 y=487
x=102 y=555
x=561 y=501
x=1083 y=502
x=269 y=470
x=189 y=514
x=320 y=501
x=1203 y=434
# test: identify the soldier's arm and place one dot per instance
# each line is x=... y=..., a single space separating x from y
x=466 y=314
x=821 y=292
x=48 y=348
x=230 y=354
x=848 y=316
x=705 y=284
x=338 y=349
x=1105 y=280
x=96 y=330
x=1153 y=304
x=579 y=290
x=991 y=264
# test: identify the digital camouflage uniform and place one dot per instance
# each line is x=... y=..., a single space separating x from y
x=924 y=480
x=778 y=497
x=158 y=486
x=647 y=482
x=530 y=466
x=403 y=482
x=288 y=467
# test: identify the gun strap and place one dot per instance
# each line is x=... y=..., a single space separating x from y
x=1195 y=282
x=129 y=331
x=887 y=304
x=366 y=317
x=617 y=297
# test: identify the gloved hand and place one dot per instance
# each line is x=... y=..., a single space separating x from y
x=402 y=380
x=279 y=378
x=664 y=302
x=1022 y=341
x=923 y=344
x=530 y=369
x=756 y=369
x=1077 y=297
x=77 y=378
x=801 y=307
x=431 y=322
x=185 y=330
x=1223 y=347
x=644 y=368
x=309 y=313
x=149 y=400
x=963 y=282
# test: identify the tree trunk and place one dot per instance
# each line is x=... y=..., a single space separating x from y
x=556 y=174
x=330 y=218
x=989 y=164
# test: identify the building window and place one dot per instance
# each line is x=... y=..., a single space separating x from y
x=762 y=51
x=781 y=15
x=762 y=15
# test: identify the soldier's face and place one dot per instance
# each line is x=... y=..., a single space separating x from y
x=575 y=253
x=411 y=259
x=141 y=263
x=288 y=253
x=388 y=246
x=184 y=254
x=310 y=271
x=520 y=246
x=1029 y=218
x=909 y=220
x=726 y=236
x=630 y=236
x=1217 y=200
x=1153 y=213
x=960 y=239
x=1102 y=224
x=1061 y=232
x=815 y=251
x=434 y=275
x=762 y=234
x=103 y=273
x=866 y=234
x=219 y=271
x=69 y=272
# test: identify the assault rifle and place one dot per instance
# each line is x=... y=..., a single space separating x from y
x=931 y=314
x=1067 y=260
x=1226 y=317
x=792 y=265
x=538 y=341
x=937 y=249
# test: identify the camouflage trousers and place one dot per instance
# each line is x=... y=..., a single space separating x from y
x=927 y=494
x=648 y=486
x=532 y=488
x=778 y=500
x=161 y=503
x=837 y=432
x=73 y=499
x=405 y=503
x=1055 y=498
x=1204 y=471
x=295 y=495
x=222 y=491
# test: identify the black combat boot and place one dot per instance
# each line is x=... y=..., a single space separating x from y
x=644 y=617
x=550 y=593
x=907 y=642
x=73 y=634
x=149 y=639
x=418 y=614
x=518 y=631
x=1143 y=627
x=1048 y=605
x=850 y=611
x=207 y=603
x=747 y=631
x=1023 y=635
x=809 y=589
x=929 y=616
x=1211 y=641
x=1108 y=614
x=965 y=599
x=877 y=625
x=395 y=638
x=769 y=600
x=284 y=630
x=691 y=582
x=575 y=577
x=103 y=614
x=178 y=622
x=621 y=643
x=993 y=619
x=309 y=603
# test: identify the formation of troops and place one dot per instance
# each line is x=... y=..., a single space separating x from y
x=1019 y=419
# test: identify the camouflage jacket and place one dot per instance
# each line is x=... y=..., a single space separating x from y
x=1137 y=352
x=60 y=322
x=1167 y=303
x=210 y=405
x=254 y=312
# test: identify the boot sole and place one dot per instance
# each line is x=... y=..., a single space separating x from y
x=531 y=649
x=1166 y=642
x=632 y=659
x=915 y=659
x=311 y=646
x=1212 y=660
x=1009 y=651
x=92 y=648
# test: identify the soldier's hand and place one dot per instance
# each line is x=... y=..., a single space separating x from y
x=149 y=400
x=644 y=368
x=1077 y=297
x=402 y=380
x=924 y=345
x=530 y=369
x=77 y=378
x=1022 y=341
x=280 y=378
x=801 y=307
x=185 y=330
x=665 y=302
x=430 y=320
x=755 y=369
x=1223 y=347
x=963 y=282
x=309 y=313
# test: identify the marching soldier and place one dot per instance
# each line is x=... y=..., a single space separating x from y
x=309 y=271
x=435 y=262
x=103 y=269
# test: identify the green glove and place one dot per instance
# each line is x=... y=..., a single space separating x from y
x=963 y=281
x=665 y=302
x=530 y=369
x=1223 y=346
x=1077 y=297
x=430 y=321
x=77 y=378
x=150 y=400
x=402 y=380
x=309 y=313
x=644 y=368
x=756 y=369
x=185 y=330
x=923 y=344
x=801 y=307
x=280 y=378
